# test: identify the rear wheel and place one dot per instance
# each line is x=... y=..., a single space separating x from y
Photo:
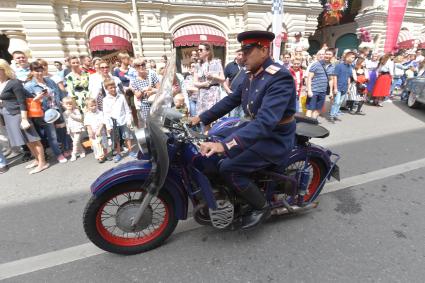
x=317 y=171
x=107 y=220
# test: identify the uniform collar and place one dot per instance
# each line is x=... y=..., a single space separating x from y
x=264 y=66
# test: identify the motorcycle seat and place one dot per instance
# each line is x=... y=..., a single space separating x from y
x=311 y=130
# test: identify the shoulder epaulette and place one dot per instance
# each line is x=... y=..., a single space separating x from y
x=272 y=69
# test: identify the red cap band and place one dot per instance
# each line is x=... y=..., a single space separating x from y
x=261 y=41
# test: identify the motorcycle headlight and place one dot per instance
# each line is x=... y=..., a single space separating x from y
x=143 y=139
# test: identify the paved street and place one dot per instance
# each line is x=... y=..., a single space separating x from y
x=367 y=228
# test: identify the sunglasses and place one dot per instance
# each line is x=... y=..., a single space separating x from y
x=201 y=50
x=139 y=65
x=104 y=67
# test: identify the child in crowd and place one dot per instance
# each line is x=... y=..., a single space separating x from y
x=116 y=110
x=96 y=129
x=74 y=126
x=179 y=104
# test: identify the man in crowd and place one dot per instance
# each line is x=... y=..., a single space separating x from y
x=319 y=84
x=235 y=74
x=86 y=64
x=21 y=67
x=343 y=72
x=286 y=60
x=267 y=96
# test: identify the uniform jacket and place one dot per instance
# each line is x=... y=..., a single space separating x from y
x=266 y=97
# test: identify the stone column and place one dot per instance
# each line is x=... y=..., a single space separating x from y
x=17 y=41
x=41 y=28
x=373 y=17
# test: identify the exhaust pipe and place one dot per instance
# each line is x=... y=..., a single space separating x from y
x=294 y=209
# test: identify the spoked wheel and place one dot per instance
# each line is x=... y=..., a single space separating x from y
x=317 y=174
x=108 y=218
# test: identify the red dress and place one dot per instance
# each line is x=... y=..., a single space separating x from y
x=382 y=86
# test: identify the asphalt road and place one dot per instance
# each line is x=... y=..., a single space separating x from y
x=369 y=232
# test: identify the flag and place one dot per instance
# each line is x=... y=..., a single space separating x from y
x=277 y=11
x=396 y=10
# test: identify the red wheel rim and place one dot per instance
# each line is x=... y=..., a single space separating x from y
x=315 y=182
x=153 y=231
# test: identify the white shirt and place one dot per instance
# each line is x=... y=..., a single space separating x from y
x=94 y=120
x=96 y=84
x=116 y=108
x=72 y=123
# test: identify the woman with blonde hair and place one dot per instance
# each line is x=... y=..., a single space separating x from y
x=20 y=129
x=208 y=77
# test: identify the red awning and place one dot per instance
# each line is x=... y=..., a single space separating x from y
x=195 y=34
x=405 y=40
x=109 y=36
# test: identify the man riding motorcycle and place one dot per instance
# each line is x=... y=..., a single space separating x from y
x=268 y=98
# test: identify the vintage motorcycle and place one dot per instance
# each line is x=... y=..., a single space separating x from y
x=136 y=206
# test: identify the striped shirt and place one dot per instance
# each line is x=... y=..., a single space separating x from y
x=320 y=81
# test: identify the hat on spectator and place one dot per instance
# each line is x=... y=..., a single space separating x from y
x=255 y=38
x=51 y=115
x=298 y=34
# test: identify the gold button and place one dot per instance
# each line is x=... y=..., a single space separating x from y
x=256 y=90
x=246 y=89
x=262 y=78
x=252 y=102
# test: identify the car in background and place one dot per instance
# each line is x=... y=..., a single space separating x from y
x=415 y=88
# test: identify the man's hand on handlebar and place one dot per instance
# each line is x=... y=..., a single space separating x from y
x=194 y=120
x=210 y=148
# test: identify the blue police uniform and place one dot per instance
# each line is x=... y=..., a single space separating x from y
x=268 y=99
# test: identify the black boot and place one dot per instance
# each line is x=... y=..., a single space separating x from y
x=359 y=108
x=256 y=199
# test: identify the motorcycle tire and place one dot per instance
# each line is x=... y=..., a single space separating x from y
x=95 y=218
x=318 y=170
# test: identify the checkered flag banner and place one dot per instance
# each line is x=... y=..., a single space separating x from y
x=277 y=11
x=277 y=7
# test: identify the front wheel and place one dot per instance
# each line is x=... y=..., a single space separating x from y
x=411 y=100
x=107 y=220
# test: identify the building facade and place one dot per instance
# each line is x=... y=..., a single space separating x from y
x=53 y=29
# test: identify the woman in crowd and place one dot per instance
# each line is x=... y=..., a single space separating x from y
x=96 y=88
x=96 y=62
x=371 y=66
x=57 y=79
x=208 y=77
x=20 y=129
x=360 y=77
x=144 y=85
x=77 y=83
x=383 y=82
x=297 y=74
x=45 y=90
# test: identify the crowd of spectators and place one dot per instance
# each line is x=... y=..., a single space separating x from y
x=89 y=99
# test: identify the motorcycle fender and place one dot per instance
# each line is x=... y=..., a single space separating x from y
x=139 y=171
x=313 y=151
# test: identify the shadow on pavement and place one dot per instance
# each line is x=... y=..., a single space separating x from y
x=418 y=113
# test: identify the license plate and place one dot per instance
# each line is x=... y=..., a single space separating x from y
x=335 y=172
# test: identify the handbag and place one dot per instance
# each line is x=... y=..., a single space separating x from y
x=34 y=108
